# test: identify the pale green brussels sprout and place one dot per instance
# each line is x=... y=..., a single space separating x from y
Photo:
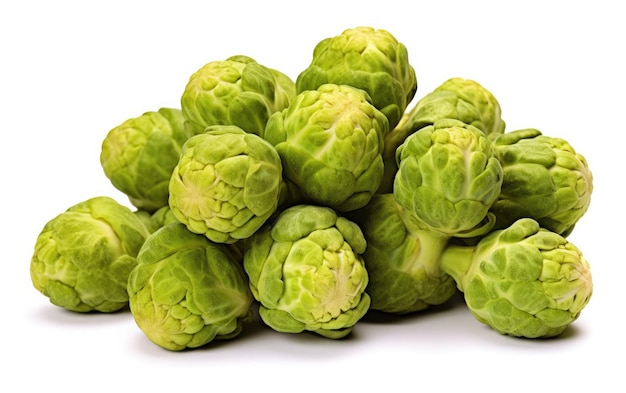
x=306 y=271
x=187 y=291
x=523 y=281
x=227 y=183
x=330 y=142
x=544 y=179
x=461 y=99
x=84 y=255
x=138 y=156
x=402 y=259
x=369 y=59
x=475 y=94
x=448 y=178
x=236 y=91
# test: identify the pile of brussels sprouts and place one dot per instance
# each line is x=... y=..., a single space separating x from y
x=315 y=200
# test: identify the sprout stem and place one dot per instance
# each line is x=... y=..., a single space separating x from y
x=456 y=260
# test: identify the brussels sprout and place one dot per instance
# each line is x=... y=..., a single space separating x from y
x=236 y=91
x=330 y=141
x=544 y=179
x=402 y=259
x=84 y=255
x=369 y=59
x=448 y=178
x=138 y=156
x=226 y=184
x=187 y=291
x=457 y=98
x=473 y=93
x=306 y=270
x=523 y=280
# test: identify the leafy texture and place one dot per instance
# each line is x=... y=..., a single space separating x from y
x=448 y=178
x=402 y=259
x=236 y=91
x=187 y=291
x=544 y=179
x=84 y=255
x=226 y=184
x=139 y=155
x=368 y=59
x=330 y=142
x=523 y=280
x=457 y=98
x=307 y=272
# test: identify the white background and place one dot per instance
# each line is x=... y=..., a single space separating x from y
x=72 y=70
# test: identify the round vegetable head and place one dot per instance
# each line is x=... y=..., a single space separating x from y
x=544 y=179
x=459 y=99
x=330 y=141
x=448 y=178
x=139 y=155
x=84 y=255
x=187 y=291
x=470 y=92
x=236 y=91
x=307 y=272
x=525 y=281
x=226 y=184
x=369 y=59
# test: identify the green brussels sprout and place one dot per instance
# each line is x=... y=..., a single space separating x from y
x=448 y=178
x=330 y=141
x=227 y=183
x=306 y=271
x=457 y=98
x=475 y=94
x=369 y=59
x=138 y=156
x=523 y=281
x=84 y=255
x=402 y=259
x=544 y=179
x=236 y=91
x=436 y=105
x=187 y=291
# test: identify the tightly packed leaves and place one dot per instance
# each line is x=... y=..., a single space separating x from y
x=369 y=59
x=186 y=290
x=544 y=178
x=237 y=91
x=448 y=177
x=457 y=98
x=306 y=270
x=138 y=156
x=522 y=281
x=84 y=255
x=226 y=184
x=472 y=94
x=330 y=141
x=305 y=204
